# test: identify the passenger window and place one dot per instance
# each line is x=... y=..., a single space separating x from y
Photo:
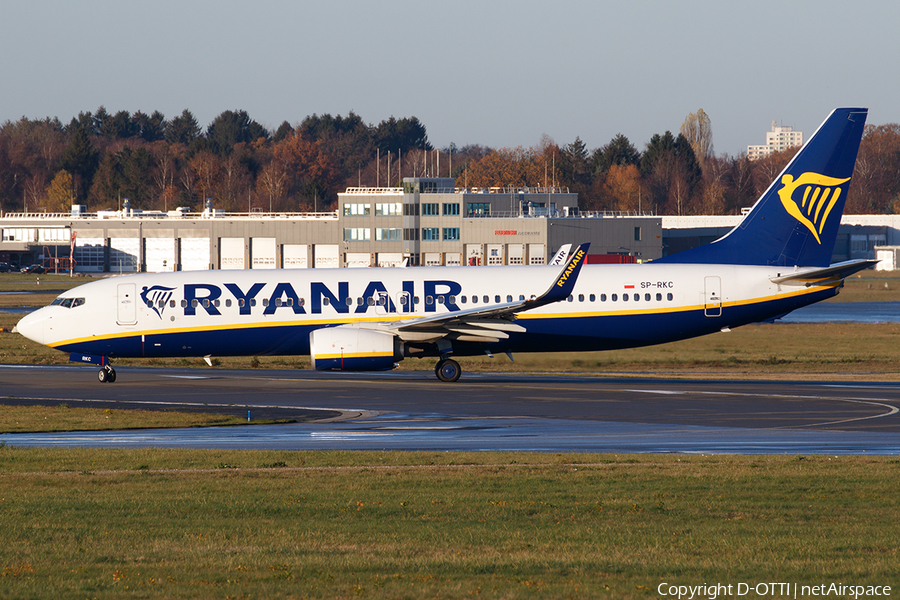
x=497 y=299
x=593 y=298
x=228 y=303
x=451 y=300
x=659 y=297
x=360 y=301
x=370 y=301
x=486 y=299
x=669 y=297
x=184 y=304
x=429 y=300
x=440 y=299
x=614 y=297
x=216 y=302
x=581 y=297
x=326 y=301
x=240 y=302
x=252 y=301
x=602 y=297
x=462 y=299
x=509 y=298
x=194 y=303
x=404 y=299
x=348 y=301
x=571 y=298
x=416 y=300
x=474 y=299
x=172 y=303
x=647 y=297
x=624 y=297
x=521 y=297
x=265 y=302
x=637 y=297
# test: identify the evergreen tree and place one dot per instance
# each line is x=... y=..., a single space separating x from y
x=233 y=127
x=183 y=129
x=81 y=160
x=619 y=151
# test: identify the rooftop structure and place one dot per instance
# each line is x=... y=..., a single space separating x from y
x=780 y=138
x=427 y=221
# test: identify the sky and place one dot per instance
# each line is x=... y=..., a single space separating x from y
x=500 y=73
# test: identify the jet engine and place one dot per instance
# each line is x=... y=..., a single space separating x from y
x=353 y=349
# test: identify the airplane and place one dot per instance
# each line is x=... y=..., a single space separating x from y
x=776 y=260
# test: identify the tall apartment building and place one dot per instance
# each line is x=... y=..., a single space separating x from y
x=780 y=138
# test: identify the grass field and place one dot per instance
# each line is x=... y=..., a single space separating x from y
x=155 y=523
x=211 y=524
x=20 y=419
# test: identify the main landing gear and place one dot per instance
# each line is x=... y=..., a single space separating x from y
x=447 y=370
x=107 y=374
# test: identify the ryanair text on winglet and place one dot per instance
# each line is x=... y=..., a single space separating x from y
x=574 y=263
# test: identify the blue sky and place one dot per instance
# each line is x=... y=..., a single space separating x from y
x=492 y=72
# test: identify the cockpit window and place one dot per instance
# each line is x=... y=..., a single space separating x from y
x=68 y=302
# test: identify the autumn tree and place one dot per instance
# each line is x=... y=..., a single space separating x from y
x=61 y=193
x=166 y=163
x=206 y=168
x=697 y=130
x=622 y=188
x=313 y=176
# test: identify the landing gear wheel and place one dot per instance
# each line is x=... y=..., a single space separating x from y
x=447 y=370
x=107 y=375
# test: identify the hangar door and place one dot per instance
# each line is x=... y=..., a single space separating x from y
x=231 y=253
x=195 y=254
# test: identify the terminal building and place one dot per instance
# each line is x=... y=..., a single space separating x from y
x=428 y=221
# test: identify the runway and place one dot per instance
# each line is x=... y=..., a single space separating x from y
x=409 y=410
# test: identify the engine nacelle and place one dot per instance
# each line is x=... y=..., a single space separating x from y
x=352 y=349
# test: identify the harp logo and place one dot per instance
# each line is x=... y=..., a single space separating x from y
x=156 y=297
x=810 y=198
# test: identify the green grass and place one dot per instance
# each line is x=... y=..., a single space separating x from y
x=186 y=524
x=19 y=419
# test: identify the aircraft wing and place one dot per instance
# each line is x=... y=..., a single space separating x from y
x=835 y=272
x=493 y=322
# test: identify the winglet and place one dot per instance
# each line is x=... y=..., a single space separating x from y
x=565 y=281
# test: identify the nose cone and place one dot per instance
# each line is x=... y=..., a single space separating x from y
x=32 y=326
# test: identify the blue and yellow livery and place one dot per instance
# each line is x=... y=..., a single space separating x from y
x=776 y=260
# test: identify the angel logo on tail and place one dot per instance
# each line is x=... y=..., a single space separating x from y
x=819 y=196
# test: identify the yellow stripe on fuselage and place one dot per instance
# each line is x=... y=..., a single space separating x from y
x=394 y=317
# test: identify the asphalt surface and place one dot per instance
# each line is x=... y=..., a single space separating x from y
x=414 y=411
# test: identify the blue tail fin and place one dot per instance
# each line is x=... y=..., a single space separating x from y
x=795 y=222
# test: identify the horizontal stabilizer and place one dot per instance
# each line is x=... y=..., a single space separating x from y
x=835 y=272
